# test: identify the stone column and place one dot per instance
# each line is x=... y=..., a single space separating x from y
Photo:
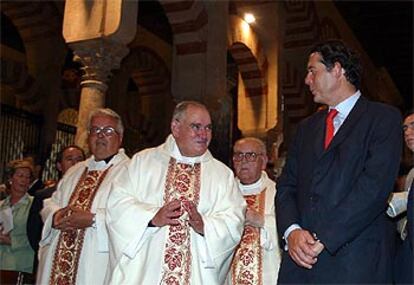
x=98 y=58
x=97 y=31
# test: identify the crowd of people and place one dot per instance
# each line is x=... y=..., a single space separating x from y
x=174 y=214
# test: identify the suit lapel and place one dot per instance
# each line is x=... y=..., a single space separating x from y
x=349 y=123
x=319 y=134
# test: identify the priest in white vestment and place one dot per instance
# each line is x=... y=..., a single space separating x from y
x=257 y=258
x=175 y=214
x=74 y=244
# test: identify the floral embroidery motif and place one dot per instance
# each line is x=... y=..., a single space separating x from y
x=69 y=247
x=183 y=184
x=246 y=268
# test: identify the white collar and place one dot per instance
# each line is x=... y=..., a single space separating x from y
x=92 y=164
x=345 y=107
x=172 y=149
x=254 y=188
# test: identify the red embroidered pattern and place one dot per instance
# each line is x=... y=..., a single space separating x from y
x=246 y=268
x=182 y=183
x=69 y=247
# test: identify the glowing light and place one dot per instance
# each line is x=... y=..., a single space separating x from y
x=249 y=18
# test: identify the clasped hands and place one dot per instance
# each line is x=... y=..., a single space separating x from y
x=303 y=248
x=72 y=218
x=172 y=211
x=254 y=219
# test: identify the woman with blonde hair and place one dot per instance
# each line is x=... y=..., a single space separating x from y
x=15 y=251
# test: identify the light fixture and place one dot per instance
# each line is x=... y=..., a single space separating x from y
x=249 y=18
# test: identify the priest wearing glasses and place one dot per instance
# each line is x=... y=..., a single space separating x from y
x=257 y=257
x=74 y=245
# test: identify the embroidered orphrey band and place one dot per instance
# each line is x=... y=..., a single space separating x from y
x=69 y=246
x=247 y=265
x=182 y=183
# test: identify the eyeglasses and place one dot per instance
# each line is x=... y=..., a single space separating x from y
x=106 y=131
x=249 y=156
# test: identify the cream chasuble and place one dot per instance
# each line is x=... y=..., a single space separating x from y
x=173 y=254
x=69 y=246
x=257 y=257
x=79 y=256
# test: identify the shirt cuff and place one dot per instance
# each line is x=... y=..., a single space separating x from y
x=290 y=229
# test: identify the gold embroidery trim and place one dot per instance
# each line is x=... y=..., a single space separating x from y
x=182 y=183
x=69 y=246
x=247 y=264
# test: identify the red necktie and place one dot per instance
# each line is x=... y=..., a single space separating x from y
x=330 y=127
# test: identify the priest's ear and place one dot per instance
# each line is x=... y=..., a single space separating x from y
x=264 y=160
x=175 y=126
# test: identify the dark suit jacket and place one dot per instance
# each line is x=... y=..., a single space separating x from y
x=34 y=224
x=341 y=194
x=35 y=187
x=404 y=261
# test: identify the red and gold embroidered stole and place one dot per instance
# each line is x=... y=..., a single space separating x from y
x=247 y=262
x=182 y=183
x=69 y=246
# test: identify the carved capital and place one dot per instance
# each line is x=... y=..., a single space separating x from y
x=98 y=58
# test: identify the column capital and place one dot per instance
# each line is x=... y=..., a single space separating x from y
x=98 y=58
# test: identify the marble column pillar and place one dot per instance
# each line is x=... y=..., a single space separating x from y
x=98 y=58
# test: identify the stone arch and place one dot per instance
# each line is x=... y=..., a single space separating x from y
x=188 y=19
x=247 y=52
x=251 y=72
x=36 y=22
x=145 y=79
x=252 y=100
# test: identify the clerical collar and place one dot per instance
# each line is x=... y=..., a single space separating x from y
x=184 y=159
x=108 y=159
x=254 y=188
x=101 y=164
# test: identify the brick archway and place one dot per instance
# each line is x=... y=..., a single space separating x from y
x=188 y=19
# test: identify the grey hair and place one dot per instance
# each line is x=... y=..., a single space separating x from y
x=259 y=142
x=108 y=113
x=182 y=107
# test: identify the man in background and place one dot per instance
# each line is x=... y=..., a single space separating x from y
x=65 y=159
x=257 y=257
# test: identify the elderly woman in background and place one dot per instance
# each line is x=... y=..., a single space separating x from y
x=15 y=251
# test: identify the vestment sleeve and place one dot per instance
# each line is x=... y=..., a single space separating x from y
x=127 y=217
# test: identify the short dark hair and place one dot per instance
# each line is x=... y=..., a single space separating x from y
x=59 y=155
x=333 y=51
x=409 y=113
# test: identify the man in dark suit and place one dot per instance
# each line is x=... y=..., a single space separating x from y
x=404 y=261
x=66 y=158
x=340 y=169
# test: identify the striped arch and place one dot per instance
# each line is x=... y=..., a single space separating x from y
x=36 y=20
x=188 y=20
x=252 y=73
x=247 y=52
x=151 y=75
